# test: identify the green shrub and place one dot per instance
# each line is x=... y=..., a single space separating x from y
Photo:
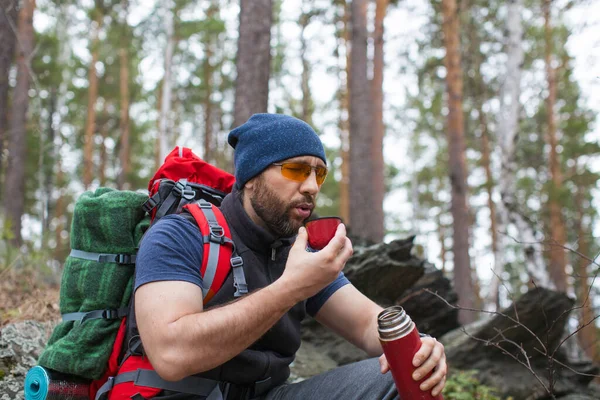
x=463 y=385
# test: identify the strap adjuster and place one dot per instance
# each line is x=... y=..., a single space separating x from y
x=149 y=204
x=178 y=188
x=204 y=204
x=110 y=314
x=125 y=259
x=236 y=262
x=217 y=233
x=242 y=288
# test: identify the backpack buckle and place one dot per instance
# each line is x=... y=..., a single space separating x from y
x=180 y=190
x=188 y=194
x=149 y=204
x=110 y=314
x=216 y=233
x=236 y=262
x=204 y=204
x=125 y=259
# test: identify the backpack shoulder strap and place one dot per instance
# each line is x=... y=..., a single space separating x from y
x=219 y=254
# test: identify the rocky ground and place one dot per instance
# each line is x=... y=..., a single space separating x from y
x=518 y=350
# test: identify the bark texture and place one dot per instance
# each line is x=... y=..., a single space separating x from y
x=164 y=134
x=253 y=59
x=558 y=259
x=361 y=174
x=378 y=129
x=507 y=208
x=90 y=124
x=125 y=149
x=457 y=168
x=14 y=201
x=8 y=22
x=344 y=120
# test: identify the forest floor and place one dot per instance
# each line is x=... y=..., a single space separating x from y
x=24 y=295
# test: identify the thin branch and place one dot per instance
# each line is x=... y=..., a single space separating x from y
x=489 y=312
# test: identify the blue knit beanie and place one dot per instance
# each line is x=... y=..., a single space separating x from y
x=268 y=138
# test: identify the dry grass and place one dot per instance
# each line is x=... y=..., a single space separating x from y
x=24 y=296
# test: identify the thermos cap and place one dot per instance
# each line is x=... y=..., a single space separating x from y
x=394 y=323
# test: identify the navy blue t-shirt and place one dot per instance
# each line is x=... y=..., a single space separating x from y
x=170 y=252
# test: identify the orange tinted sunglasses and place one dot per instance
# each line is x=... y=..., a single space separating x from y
x=300 y=172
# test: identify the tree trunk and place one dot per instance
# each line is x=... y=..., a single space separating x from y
x=164 y=132
x=48 y=167
x=361 y=178
x=253 y=59
x=103 y=152
x=14 y=202
x=558 y=261
x=90 y=125
x=125 y=150
x=377 y=162
x=508 y=212
x=457 y=168
x=588 y=335
x=442 y=239
x=307 y=103
x=209 y=147
x=60 y=213
x=210 y=143
x=344 y=121
x=480 y=98
x=8 y=22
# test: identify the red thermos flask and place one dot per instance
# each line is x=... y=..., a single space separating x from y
x=400 y=341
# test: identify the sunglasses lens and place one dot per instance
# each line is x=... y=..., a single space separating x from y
x=321 y=174
x=299 y=172
x=296 y=172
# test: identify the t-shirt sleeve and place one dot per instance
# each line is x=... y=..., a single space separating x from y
x=171 y=250
x=314 y=304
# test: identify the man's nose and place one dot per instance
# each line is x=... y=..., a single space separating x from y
x=310 y=184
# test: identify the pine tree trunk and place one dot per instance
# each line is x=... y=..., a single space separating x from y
x=307 y=109
x=14 y=202
x=8 y=22
x=361 y=177
x=344 y=121
x=377 y=162
x=457 y=168
x=48 y=169
x=209 y=148
x=103 y=153
x=253 y=59
x=480 y=98
x=60 y=214
x=588 y=335
x=164 y=142
x=507 y=208
x=90 y=125
x=442 y=239
x=558 y=261
x=125 y=149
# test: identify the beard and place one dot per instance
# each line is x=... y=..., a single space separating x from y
x=275 y=213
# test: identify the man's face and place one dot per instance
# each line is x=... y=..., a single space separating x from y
x=282 y=204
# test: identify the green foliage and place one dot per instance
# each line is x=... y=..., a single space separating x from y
x=463 y=385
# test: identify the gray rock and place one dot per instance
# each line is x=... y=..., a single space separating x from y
x=384 y=271
x=21 y=344
x=520 y=350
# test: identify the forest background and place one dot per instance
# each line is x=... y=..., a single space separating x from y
x=472 y=124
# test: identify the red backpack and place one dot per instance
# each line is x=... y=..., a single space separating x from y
x=183 y=182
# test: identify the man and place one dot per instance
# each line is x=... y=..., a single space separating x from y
x=280 y=165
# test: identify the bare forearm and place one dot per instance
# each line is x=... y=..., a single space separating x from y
x=371 y=344
x=202 y=341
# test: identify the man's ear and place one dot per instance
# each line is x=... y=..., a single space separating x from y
x=249 y=185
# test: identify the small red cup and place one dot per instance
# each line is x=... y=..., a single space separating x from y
x=320 y=231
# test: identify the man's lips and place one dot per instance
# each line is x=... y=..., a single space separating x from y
x=304 y=209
